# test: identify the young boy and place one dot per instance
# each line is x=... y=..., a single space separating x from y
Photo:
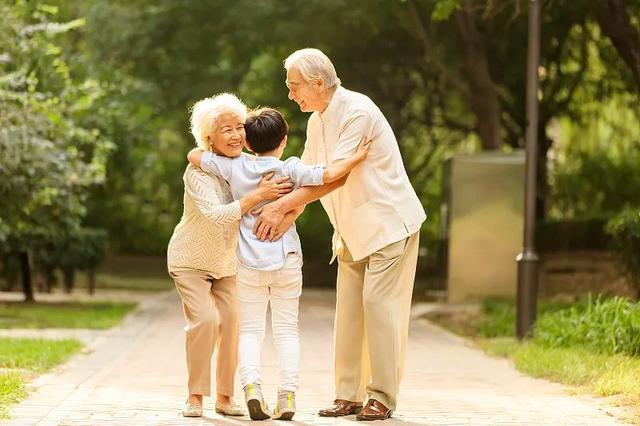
x=270 y=271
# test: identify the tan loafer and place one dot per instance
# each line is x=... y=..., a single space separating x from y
x=191 y=410
x=374 y=410
x=229 y=410
x=341 y=407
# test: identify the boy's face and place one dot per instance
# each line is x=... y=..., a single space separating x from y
x=305 y=93
x=228 y=135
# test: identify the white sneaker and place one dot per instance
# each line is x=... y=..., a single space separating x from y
x=258 y=409
x=286 y=406
x=191 y=410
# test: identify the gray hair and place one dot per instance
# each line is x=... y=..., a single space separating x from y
x=206 y=112
x=314 y=65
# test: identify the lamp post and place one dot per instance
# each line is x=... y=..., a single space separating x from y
x=527 y=291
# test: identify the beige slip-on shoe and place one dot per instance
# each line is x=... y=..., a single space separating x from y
x=229 y=410
x=191 y=410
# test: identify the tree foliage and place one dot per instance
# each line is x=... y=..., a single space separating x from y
x=49 y=157
x=106 y=87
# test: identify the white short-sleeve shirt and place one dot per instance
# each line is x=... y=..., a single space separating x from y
x=377 y=205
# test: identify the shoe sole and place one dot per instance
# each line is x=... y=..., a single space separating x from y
x=369 y=419
x=287 y=415
x=255 y=410
x=224 y=413
x=351 y=412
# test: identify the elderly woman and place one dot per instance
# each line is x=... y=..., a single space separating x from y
x=201 y=255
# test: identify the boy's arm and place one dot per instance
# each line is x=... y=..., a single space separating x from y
x=195 y=156
x=352 y=136
x=268 y=188
x=341 y=167
x=210 y=162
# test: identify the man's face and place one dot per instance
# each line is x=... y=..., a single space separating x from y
x=306 y=94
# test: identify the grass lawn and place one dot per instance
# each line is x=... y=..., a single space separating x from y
x=601 y=374
x=95 y=315
x=552 y=354
x=20 y=359
x=136 y=273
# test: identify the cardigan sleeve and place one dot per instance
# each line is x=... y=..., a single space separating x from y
x=204 y=191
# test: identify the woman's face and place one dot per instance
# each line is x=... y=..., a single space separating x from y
x=228 y=135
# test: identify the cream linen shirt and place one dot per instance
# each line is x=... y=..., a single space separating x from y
x=377 y=205
x=207 y=235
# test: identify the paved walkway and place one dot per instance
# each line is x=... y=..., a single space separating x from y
x=135 y=374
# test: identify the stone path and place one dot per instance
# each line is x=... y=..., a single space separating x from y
x=135 y=374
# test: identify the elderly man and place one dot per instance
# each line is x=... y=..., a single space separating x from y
x=376 y=216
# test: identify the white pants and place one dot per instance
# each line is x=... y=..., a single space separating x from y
x=256 y=289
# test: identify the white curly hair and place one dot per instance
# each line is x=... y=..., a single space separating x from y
x=206 y=112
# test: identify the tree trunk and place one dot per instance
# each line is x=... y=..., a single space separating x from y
x=615 y=23
x=50 y=278
x=68 y=278
x=91 y=278
x=27 y=284
x=482 y=93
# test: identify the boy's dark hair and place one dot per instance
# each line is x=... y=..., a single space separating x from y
x=265 y=128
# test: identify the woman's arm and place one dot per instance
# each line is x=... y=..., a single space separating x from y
x=268 y=189
x=205 y=195
x=201 y=190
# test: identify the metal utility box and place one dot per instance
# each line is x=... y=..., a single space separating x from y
x=482 y=215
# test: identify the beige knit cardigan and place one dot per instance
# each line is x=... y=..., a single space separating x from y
x=207 y=235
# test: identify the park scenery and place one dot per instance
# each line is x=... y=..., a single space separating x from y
x=94 y=134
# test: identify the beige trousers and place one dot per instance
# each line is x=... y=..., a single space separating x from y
x=211 y=310
x=372 y=321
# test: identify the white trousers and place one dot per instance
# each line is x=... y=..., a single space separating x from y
x=281 y=288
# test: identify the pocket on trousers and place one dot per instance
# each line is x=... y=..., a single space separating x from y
x=293 y=261
x=387 y=255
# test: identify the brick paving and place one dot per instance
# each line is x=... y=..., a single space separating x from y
x=135 y=374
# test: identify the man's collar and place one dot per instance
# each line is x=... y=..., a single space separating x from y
x=333 y=104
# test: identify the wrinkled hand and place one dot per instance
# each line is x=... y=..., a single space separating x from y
x=272 y=189
x=363 y=147
x=267 y=222
x=284 y=226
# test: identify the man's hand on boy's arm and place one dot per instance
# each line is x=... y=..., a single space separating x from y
x=195 y=156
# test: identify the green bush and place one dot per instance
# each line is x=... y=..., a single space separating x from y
x=585 y=233
x=499 y=316
x=624 y=229
x=610 y=326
